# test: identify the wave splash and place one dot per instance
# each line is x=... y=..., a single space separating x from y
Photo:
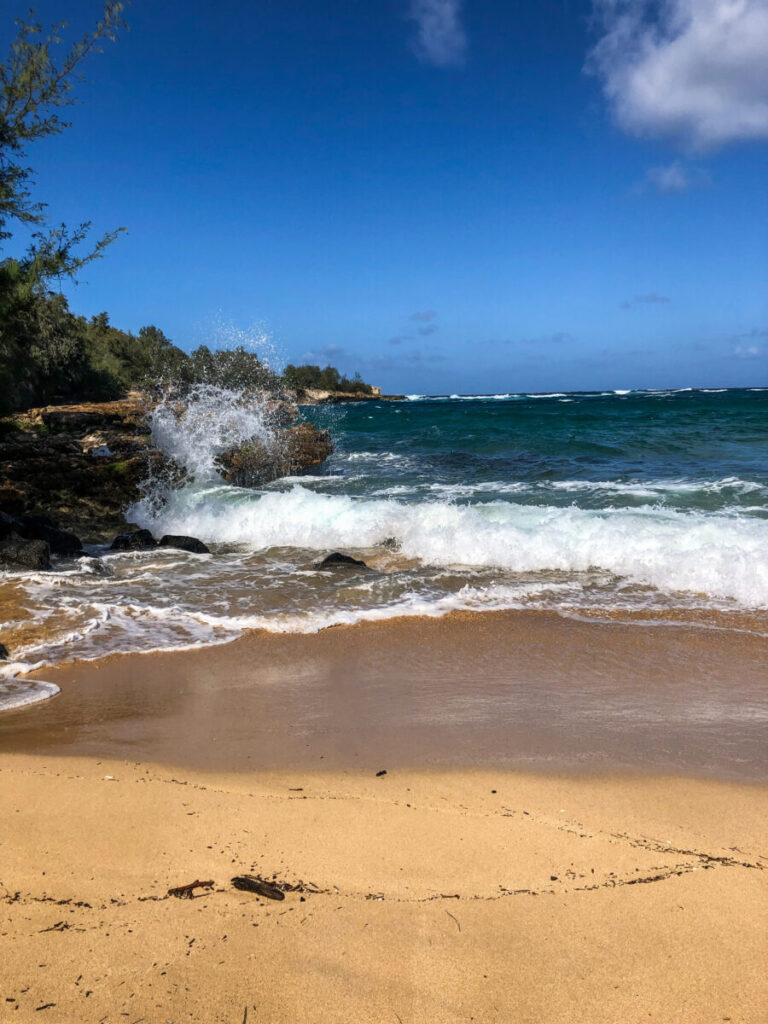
x=208 y=421
x=711 y=554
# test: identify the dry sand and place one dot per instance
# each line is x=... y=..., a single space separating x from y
x=433 y=894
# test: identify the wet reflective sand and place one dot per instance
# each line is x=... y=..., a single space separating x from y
x=510 y=689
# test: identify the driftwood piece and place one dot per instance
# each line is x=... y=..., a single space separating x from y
x=252 y=883
x=187 y=892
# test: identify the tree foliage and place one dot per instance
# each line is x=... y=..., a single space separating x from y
x=43 y=349
x=327 y=379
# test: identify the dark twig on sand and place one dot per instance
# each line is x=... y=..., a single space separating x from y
x=187 y=892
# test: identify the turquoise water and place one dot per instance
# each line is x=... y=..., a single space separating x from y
x=694 y=450
x=639 y=505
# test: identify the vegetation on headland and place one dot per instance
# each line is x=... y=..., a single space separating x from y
x=47 y=353
x=310 y=376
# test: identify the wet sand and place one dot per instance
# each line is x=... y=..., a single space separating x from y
x=508 y=689
x=601 y=885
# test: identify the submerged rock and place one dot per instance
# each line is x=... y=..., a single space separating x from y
x=295 y=450
x=338 y=561
x=184 y=544
x=17 y=553
x=139 y=540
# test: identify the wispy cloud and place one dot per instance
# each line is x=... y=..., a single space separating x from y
x=325 y=353
x=425 y=317
x=674 y=177
x=748 y=351
x=395 y=341
x=558 y=338
x=429 y=329
x=691 y=70
x=649 y=299
x=752 y=345
x=440 y=38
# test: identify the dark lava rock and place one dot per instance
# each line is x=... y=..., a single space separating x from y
x=74 y=419
x=139 y=540
x=61 y=542
x=17 y=553
x=184 y=544
x=337 y=560
x=4 y=655
x=253 y=463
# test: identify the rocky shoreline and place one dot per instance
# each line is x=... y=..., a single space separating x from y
x=68 y=473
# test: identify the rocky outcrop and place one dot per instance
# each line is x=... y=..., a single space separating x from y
x=27 y=527
x=83 y=465
x=254 y=463
x=80 y=465
x=314 y=396
x=18 y=554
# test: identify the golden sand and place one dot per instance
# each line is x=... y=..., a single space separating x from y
x=454 y=890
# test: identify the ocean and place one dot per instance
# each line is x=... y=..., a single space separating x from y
x=643 y=506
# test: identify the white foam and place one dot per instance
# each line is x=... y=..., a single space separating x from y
x=17 y=693
x=719 y=554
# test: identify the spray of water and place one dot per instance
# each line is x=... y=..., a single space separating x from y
x=209 y=420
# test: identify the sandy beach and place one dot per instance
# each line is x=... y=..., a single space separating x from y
x=457 y=886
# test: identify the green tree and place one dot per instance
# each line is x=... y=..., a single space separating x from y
x=34 y=89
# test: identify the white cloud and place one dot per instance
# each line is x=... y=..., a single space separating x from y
x=440 y=38
x=695 y=71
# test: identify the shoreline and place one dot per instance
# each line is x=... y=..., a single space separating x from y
x=517 y=690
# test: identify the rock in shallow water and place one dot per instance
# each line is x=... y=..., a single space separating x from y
x=339 y=561
x=184 y=544
x=139 y=540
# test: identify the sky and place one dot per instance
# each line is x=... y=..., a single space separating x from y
x=471 y=196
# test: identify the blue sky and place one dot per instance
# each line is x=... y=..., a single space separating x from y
x=448 y=196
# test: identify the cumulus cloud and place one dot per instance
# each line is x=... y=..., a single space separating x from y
x=440 y=38
x=694 y=71
x=425 y=317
